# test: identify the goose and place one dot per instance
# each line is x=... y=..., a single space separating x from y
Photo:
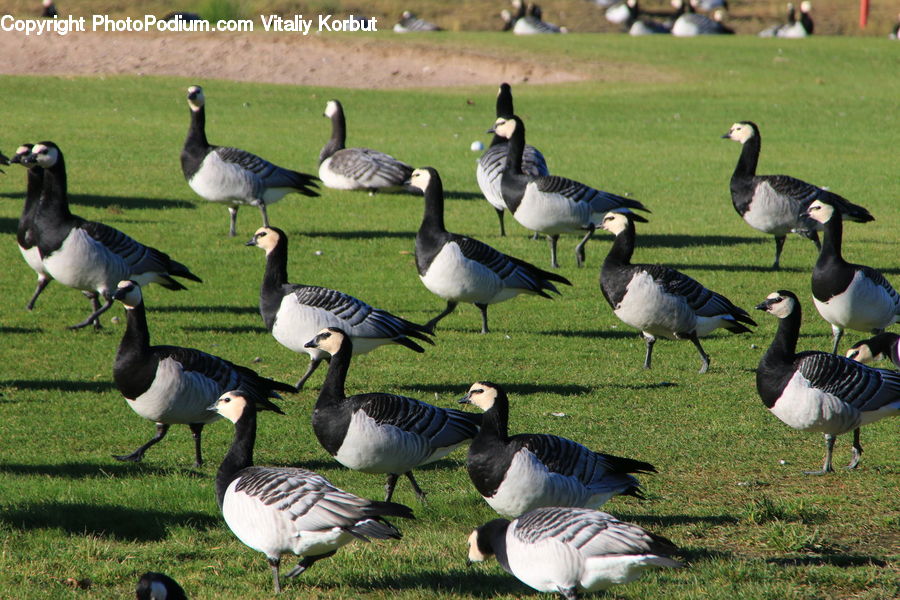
x=532 y=23
x=344 y=168
x=884 y=345
x=659 y=300
x=621 y=13
x=294 y=313
x=637 y=25
x=410 y=23
x=490 y=166
x=462 y=269
x=817 y=391
x=157 y=586
x=174 y=385
x=381 y=433
x=231 y=175
x=48 y=9
x=87 y=255
x=690 y=24
x=773 y=31
x=848 y=296
x=895 y=30
x=516 y=474
x=797 y=28
x=281 y=509
x=509 y=18
x=571 y=550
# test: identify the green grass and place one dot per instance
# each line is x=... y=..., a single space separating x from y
x=76 y=524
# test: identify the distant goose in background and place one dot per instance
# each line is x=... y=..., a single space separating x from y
x=566 y=551
x=48 y=9
x=377 y=432
x=171 y=385
x=550 y=204
x=817 y=391
x=691 y=24
x=26 y=236
x=795 y=28
x=518 y=473
x=532 y=23
x=157 y=586
x=636 y=24
x=710 y=5
x=510 y=18
x=621 y=13
x=294 y=313
x=895 y=30
x=87 y=255
x=774 y=30
x=231 y=175
x=281 y=509
x=410 y=23
x=345 y=168
x=883 y=346
x=660 y=301
x=462 y=269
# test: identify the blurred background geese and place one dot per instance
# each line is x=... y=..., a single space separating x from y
x=638 y=24
x=774 y=30
x=281 y=509
x=817 y=391
x=462 y=269
x=883 y=346
x=377 y=432
x=660 y=301
x=231 y=175
x=566 y=551
x=26 y=235
x=157 y=586
x=515 y=474
x=690 y=24
x=410 y=23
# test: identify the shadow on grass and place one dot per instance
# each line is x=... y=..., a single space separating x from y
x=127 y=202
x=231 y=310
x=674 y=240
x=360 y=235
x=457 y=195
x=8 y=225
x=19 y=330
x=60 y=384
x=736 y=268
x=521 y=389
x=836 y=560
x=83 y=470
x=235 y=329
x=651 y=521
x=608 y=334
x=472 y=581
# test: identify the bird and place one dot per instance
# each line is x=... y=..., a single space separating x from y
x=818 y=391
x=847 y=295
x=410 y=23
x=519 y=473
x=775 y=30
x=173 y=385
x=571 y=550
x=294 y=312
x=378 y=432
x=621 y=13
x=794 y=28
x=638 y=25
x=690 y=24
x=158 y=586
x=48 y=9
x=884 y=345
x=345 y=168
x=660 y=301
x=458 y=268
x=895 y=30
x=489 y=169
x=533 y=23
x=509 y=18
x=87 y=255
x=231 y=175
x=282 y=509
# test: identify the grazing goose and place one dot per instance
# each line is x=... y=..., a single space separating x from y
x=173 y=385
x=381 y=433
x=281 y=509
x=817 y=391
x=344 y=168
x=884 y=345
x=231 y=175
x=515 y=474
x=294 y=313
x=774 y=30
x=571 y=550
x=638 y=25
x=410 y=23
x=690 y=24
x=462 y=269
x=26 y=236
x=87 y=255
x=157 y=586
x=532 y=23
x=550 y=204
x=659 y=300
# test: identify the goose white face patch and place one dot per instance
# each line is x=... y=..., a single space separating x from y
x=46 y=156
x=783 y=307
x=805 y=6
x=420 y=179
x=133 y=295
x=614 y=222
x=821 y=212
x=331 y=108
x=231 y=406
x=331 y=342
x=862 y=353
x=198 y=100
x=504 y=127
x=475 y=555
x=481 y=395
x=741 y=132
x=266 y=238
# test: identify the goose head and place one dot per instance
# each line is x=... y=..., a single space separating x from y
x=506 y=126
x=129 y=294
x=328 y=340
x=195 y=97
x=781 y=303
x=234 y=404
x=43 y=154
x=267 y=238
x=481 y=540
x=873 y=349
x=742 y=132
x=482 y=394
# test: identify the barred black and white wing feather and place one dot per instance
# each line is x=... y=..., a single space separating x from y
x=260 y=175
x=864 y=388
x=513 y=272
x=367 y=168
x=599 y=201
x=441 y=427
x=489 y=170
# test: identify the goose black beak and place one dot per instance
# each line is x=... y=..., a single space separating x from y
x=310 y=344
x=726 y=136
x=465 y=400
x=852 y=354
x=764 y=305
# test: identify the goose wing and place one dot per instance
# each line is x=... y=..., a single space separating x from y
x=704 y=302
x=266 y=174
x=571 y=459
x=441 y=426
x=879 y=280
x=139 y=258
x=370 y=167
x=514 y=272
x=223 y=373
x=862 y=387
x=490 y=170
x=599 y=201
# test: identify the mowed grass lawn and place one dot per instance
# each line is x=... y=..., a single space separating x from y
x=74 y=523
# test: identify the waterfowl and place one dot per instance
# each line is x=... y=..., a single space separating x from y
x=533 y=23
x=883 y=346
x=158 y=586
x=410 y=23
x=774 y=30
x=636 y=24
x=690 y=24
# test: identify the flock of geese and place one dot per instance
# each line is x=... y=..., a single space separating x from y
x=546 y=488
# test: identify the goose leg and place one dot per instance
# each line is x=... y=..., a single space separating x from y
x=415 y=485
x=265 y=215
x=274 y=563
x=502 y=225
x=553 y=239
x=94 y=316
x=535 y=236
x=837 y=333
x=390 y=485
x=829 y=448
x=569 y=593
x=779 y=246
x=307 y=562
x=43 y=281
x=430 y=325
x=649 y=355
x=483 y=309
x=579 y=249
x=704 y=357
x=161 y=430
x=196 y=430
x=313 y=365
x=232 y=231
x=857 y=450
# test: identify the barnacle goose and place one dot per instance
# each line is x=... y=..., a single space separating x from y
x=87 y=255
x=410 y=23
x=817 y=391
x=490 y=166
x=281 y=509
x=884 y=345
x=551 y=204
x=533 y=23
x=344 y=168
x=774 y=30
x=462 y=269
x=895 y=30
x=26 y=236
x=157 y=586
x=571 y=550
x=231 y=175
x=659 y=300
x=48 y=9
x=690 y=24
x=294 y=313
x=638 y=25
x=515 y=474
x=795 y=28
x=848 y=296
x=381 y=433
x=172 y=385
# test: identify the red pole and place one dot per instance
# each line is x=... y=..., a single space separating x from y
x=863 y=13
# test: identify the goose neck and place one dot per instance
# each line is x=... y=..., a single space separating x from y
x=338 y=366
x=746 y=165
x=622 y=248
x=516 y=149
x=832 y=238
x=197 y=131
x=240 y=454
x=784 y=344
x=276 y=273
x=338 y=137
x=433 y=218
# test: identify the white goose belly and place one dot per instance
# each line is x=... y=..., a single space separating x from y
x=298 y=323
x=220 y=181
x=454 y=277
x=647 y=307
x=373 y=448
x=32 y=256
x=863 y=306
x=552 y=214
x=771 y=212
x=333 y=179
x=177 y=396
x=808 y=409
x=85 y=264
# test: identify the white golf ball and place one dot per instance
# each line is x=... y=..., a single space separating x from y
x=477 y=146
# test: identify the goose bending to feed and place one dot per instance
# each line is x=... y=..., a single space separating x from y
x=280 y=509
x=410 y=23
x=515 y=474
x=157 y=586
x=381 y=433
x=550 y=204
x=231 y=175
x=172 y=385
x=660 y=301
x=294 y=313
x=462 y=269
x=884 y=345
x=566 y=551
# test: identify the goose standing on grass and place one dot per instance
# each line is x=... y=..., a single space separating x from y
x=87 y=255
x=796 y=28
x=774 y=30
x=515 y=474
x=410 y=23
x=639 y=25
x=817 y=391
x=280 y=509
x=157 y=586
x=26 y=235
x=690 y=24
x=294 y=313
x=381 y=433
x=660 y=301
x=883 y=346
x=172 y=385
x=231 y=175
x=462 y=269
